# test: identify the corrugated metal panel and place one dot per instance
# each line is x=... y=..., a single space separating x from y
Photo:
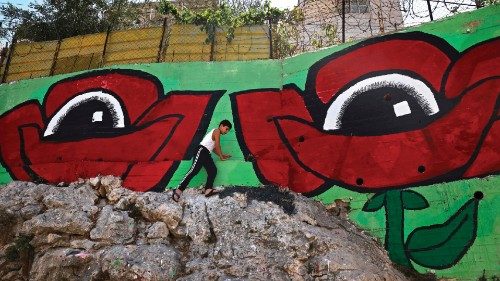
x=249 y=43
x=133 y=46
x=182 y=43
x=186 y=43
x=31 y=60
x=80 y=53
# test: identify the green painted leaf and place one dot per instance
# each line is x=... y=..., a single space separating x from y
x=375 y=203
x=442 y=245
x=414 y=201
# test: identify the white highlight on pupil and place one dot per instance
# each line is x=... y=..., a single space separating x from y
x=413 y=87
x=110 y=101
x=402 y=109
x=97 y=116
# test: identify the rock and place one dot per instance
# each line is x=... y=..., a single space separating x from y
x=110 y=183
x=159 y=207
x=157 y=230
x=82 y=244
x=94 y=182
x=113 y=227
x=50 y=240
x=65 y=198
x=22 y=199
x=122 y=198
x=80 y=233
x=59 y=221
x=63 y=264
x=143 y=262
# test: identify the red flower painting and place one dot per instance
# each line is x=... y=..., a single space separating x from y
x=391 y=112
x=116 y=122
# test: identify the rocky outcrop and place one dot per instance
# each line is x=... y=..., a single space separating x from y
x=96 y=230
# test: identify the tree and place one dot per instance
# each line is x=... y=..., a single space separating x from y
x=57 y=19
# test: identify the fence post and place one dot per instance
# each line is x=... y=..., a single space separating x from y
x=270 y=39
x=9 y=58
x=343 y=21
x=105 y=45
x=161 y=48
x=212 y=44
x=54 y=60
x=430 y=10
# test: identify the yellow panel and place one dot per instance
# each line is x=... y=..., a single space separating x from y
x=131 y=54
x=242 y=48
x=130 y=61
x=84 y=41
x=174 y=57
x=25 y=75
x=82 y=52
x=240 y=57
x=188 y=48
x=132 y=45
x=184 y=43
x=136 y=34
x=35 y=52
x=82 y=45
x=77 y=63
x=24 y=48
x=33 y=66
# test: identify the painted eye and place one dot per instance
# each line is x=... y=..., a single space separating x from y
x=381 y=105
x=87 y=114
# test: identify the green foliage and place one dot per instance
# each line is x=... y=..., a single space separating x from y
x=326 y=38
x=223 y=16
x=52 y=20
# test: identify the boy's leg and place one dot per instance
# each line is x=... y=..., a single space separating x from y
x=211 y=172
x=195 y=168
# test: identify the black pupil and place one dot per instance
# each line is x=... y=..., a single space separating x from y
x=90 y=118
x=372 y=113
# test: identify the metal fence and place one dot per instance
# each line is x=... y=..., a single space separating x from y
x=167 y=43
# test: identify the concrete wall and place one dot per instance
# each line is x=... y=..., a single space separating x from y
x=403 y=127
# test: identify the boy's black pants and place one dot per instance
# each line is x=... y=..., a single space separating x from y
x=202 y=158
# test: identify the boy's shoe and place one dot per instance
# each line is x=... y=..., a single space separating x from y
x=208 y=192
x=176 y=196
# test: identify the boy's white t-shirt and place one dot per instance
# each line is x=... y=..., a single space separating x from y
x=208 y=142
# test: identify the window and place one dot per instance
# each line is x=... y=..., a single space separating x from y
x=357 y=6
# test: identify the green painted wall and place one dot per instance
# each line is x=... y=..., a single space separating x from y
x=444 y=199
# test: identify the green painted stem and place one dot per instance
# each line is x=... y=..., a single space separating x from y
x=394 y=237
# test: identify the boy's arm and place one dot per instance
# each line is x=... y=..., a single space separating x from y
x=217 y=148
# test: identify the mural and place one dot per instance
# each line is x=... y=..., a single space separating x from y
x=405 y=127
x=99 y=123
x=381 y=116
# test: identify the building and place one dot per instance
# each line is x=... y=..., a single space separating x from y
x=363 y=18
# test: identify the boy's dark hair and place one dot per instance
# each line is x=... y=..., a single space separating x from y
x=226 y=123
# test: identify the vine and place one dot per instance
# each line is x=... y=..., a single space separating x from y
x=223 y=17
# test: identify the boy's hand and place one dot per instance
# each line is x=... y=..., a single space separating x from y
x=225 y=157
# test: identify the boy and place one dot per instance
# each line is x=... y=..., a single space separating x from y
x=203 y=158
